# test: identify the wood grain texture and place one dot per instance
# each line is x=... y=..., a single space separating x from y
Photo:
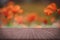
x=29 y=33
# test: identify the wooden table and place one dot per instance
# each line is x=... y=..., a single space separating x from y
x=29 y=33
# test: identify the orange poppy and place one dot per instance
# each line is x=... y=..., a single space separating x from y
x=31 y=17
x=16 y=8
x=52 y=7
x=58 y=11
x=10 y=15
x=4 y=21
x=44 y=20
x=5 y=11
x=18 y=19
x=10 y=7
x=48 y=12
x=20 y=11
x=52 y=19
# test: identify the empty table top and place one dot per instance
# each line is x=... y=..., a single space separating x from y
x=29 y=33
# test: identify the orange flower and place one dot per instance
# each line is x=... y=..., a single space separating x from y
x=52 y=7
x=5 y=12
x=31 y=17
x=52 y=19
x=48 y=12
x=20 y=11
x=4 y=21
x=10 y=7
x=10 y=15
x=43 y=20
x=18 y=19
x=16 y=8
x=58 y=11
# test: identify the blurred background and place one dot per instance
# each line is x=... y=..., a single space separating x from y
x=32 y=5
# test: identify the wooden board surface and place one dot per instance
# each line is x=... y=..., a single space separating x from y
x=29 y=33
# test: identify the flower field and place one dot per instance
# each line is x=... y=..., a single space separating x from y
x=29 y=15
